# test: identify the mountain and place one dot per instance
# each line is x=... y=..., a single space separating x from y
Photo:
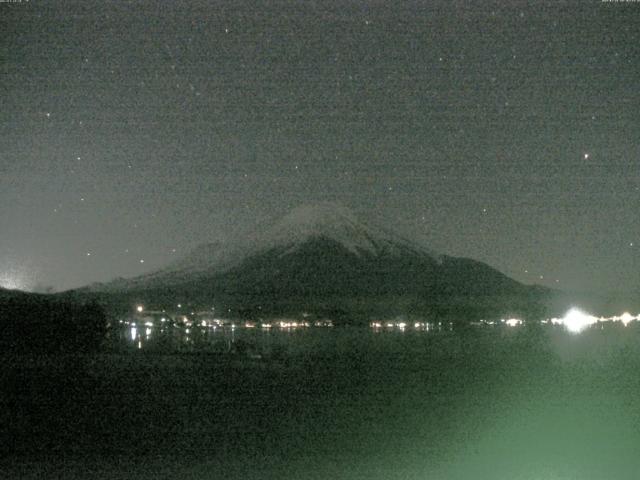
x=322 y=259
x=327 y=221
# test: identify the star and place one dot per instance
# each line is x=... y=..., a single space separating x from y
x=586 y=156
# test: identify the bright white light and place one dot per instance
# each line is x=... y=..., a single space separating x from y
x=134 y=333
x=513 y=322
x=139 y=308
x=575 y=320
x=148 y=324
x=626 y=317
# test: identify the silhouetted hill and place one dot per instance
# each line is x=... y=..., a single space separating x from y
x=36 y=323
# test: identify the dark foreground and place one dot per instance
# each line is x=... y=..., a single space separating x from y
x=510 y=404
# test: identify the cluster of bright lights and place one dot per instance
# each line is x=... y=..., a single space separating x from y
x=513 y=322
x=147 y=318
x=401 y=325
x=576 y=320
x=292 y=324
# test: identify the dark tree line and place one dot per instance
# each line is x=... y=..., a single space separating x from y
x=40 y=324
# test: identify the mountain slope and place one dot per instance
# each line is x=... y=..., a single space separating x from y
x=307 y=223
x=322 y=258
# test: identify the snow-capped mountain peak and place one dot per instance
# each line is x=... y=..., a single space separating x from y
x=334 y=222
x=326 y=221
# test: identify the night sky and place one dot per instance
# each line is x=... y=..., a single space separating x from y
x=132 y=131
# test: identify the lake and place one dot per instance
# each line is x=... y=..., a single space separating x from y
x=330 y=402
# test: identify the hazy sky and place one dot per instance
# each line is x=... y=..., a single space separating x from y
x=132 y=131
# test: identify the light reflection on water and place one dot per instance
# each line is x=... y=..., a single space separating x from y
x=256 y=339
x=525 y=416
x=492 y=404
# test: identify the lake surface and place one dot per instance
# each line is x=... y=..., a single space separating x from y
x=346 y=403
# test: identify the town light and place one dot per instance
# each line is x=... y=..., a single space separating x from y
x=139 y=308
x=626 y=317
x=575 y=320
